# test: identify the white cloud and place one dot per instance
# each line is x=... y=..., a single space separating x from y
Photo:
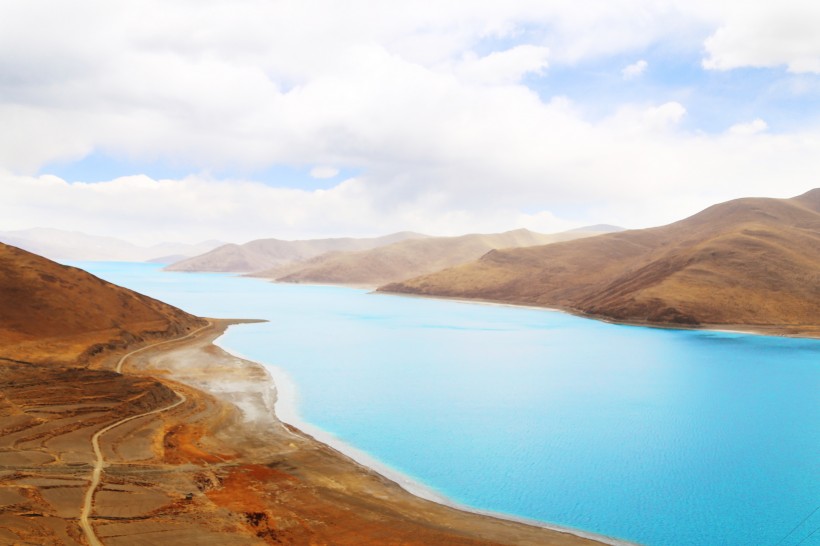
x=31 y=136
x=651 y=119
x=503 y=67
x=751 y=128
x=219 y=84
x=324 y=172
x=148 y=211
x=425 y=99
x=765 y=34
x=635 y=169
x=634 y=70
x=665 y=115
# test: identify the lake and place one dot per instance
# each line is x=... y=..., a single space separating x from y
x=663 y=437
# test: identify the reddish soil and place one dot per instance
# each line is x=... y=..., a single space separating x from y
x=181 y=445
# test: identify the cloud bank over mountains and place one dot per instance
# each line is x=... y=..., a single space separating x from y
x=446 y=111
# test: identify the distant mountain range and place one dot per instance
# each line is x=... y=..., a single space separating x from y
x=263 y=254
x=57 y=244
x=748 y=262
x=412 y=257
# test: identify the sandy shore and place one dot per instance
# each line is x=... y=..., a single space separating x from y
x=268 y=426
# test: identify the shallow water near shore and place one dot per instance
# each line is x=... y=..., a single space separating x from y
x=662 y=437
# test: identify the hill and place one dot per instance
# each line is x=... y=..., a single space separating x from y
x=750 y=262
x=263 y=254
x=409 y=258
x=62 y=314
x=57 y=244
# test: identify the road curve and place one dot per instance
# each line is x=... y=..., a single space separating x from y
x=99 y=462
x=126 y=356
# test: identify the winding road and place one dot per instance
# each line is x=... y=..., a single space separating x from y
x=99 y=462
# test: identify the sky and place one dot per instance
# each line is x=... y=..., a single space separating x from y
x=187 y=120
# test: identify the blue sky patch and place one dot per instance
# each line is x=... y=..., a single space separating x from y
x=102 y=167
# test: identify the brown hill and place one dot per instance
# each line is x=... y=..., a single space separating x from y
x=409 y=258
x=264 y=254
x=51 y=312
x=750 y=262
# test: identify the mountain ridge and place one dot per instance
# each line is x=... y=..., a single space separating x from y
x=750 y=261
x=261 y=254
x=409 y=258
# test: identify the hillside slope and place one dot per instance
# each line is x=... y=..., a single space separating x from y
x=409 y=258
x=264 y=254
x=752 y=262
x=51 y=312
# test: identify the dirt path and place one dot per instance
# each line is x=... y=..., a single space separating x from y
x=126 y=356
x=99 y=462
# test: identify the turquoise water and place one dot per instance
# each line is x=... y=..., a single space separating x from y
x=657 y=436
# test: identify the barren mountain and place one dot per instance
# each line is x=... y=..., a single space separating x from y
x=263 y=254
x=51 y=312
x=750 y=262
x=410 y=258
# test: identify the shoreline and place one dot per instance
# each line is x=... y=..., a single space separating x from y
x=284 y=408
x=800 y=331
x=285 y=411
x=769 y=330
